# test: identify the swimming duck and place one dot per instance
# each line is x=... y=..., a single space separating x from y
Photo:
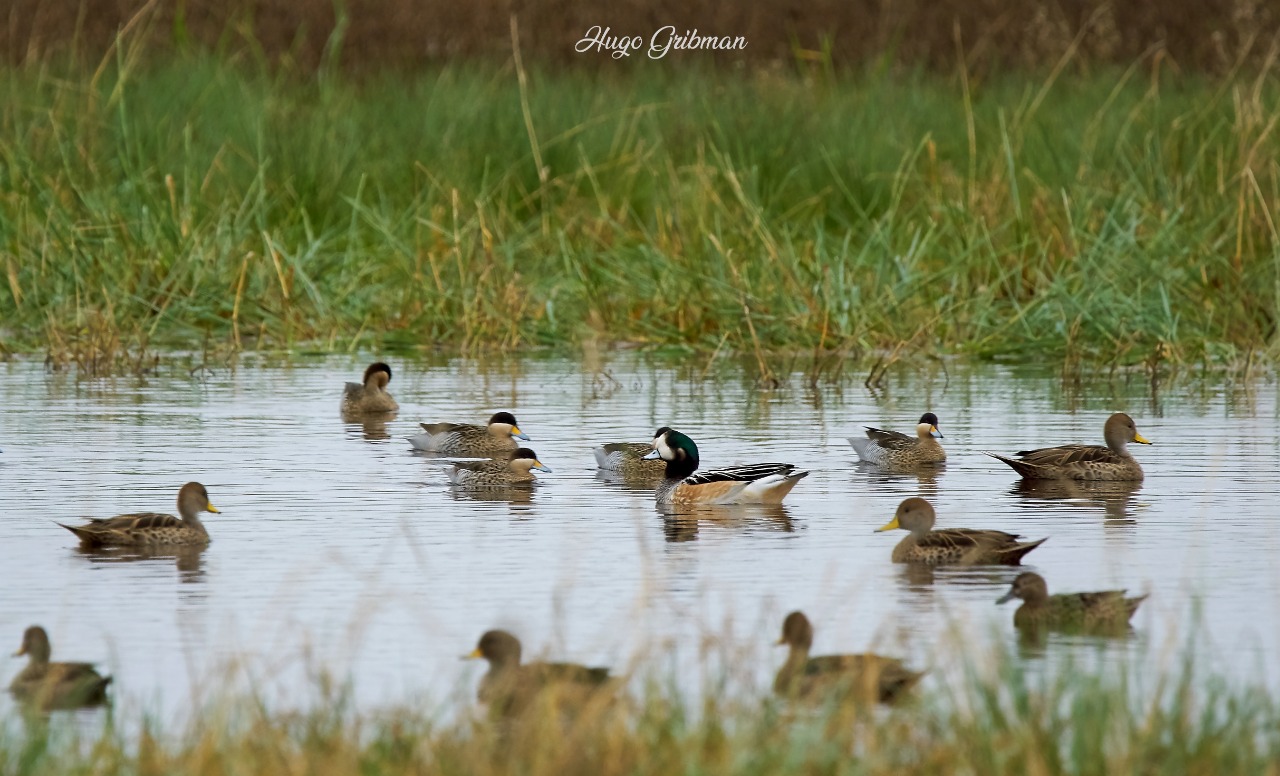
x=759 y=483
x=55 y=685
x=497 y=473
x=628 y=459
x=151 y=528
x=965 y=546
x=1065 y=610
x=867 y=676
x=371 y=394
x=1085 y=462
x=510 y=687
x=469 y=441
x=892 y=449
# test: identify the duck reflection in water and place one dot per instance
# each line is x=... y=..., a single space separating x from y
x=372 y=428
x=189 y=560
x=684 y=523
x=1115 y=498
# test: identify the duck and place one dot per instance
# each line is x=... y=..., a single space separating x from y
x=1067 y=610
x=893 y=449
x=516 y=470
x=468 y=441
x=867 y=676
x=628 y=459
x=510 y=687
x=55 y=685
x=151 y=528
x=759 y=483
x=370 y=394
x=963 y=546
x=1085 y=462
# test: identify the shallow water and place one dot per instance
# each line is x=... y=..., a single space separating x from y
x=340 y=549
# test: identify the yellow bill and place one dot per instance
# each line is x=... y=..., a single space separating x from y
x=210 y=507
x=889 y=526
x=1140 y=439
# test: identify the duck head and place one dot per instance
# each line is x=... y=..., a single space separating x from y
x=914 y=514
x=503 y=424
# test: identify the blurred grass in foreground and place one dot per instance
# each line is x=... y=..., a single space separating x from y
x=1001 y=720
x=210 y=203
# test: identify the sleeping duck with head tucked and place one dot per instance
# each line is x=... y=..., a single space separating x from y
x=369 y=395
x=759 y=483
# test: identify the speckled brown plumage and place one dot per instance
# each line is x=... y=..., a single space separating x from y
x=1085 y=462
x=895 y=450
x=498 y=437
x=151 y=528
x=963 y=546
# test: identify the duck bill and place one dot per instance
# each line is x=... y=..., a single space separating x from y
x=472 y=655
x=1140 y=439
x=518 y=434
x=889 y=526
x=1006 y=598
x=650 y=455
x=211 y=508
x=21 y=651
x=541 y=467
x=935 y=433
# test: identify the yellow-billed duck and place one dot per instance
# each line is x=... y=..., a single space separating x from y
x=55 y=685
x=963 y=546
x=151 y=528
x=1085 y=462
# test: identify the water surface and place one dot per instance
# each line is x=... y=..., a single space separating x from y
x=340 y=549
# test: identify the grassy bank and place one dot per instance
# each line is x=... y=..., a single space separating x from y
x=1119 y=216
x=1084 y=721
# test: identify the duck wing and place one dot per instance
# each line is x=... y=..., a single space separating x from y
x=1065 y=455
x=745 y=473
x=889 y=440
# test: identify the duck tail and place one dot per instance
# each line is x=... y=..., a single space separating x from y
x=776 y=488
x=860 y=446
x=87 y=537
x=1013 y=556
x=1021 y=467
x=1131 y=605
x=604 y=460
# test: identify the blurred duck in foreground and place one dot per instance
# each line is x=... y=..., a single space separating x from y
x=151 y=528
x=865 y=677
x=760 y=483
x=467 y=441
x=1104 y=609
x=510 y=687
x=371 y=394
x=1085 y=462
x=492 y=473
x=963 y=546
x=892 y=449
x=49 y=685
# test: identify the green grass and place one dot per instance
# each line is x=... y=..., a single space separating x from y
x=197 y=202
x=1078 y=720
